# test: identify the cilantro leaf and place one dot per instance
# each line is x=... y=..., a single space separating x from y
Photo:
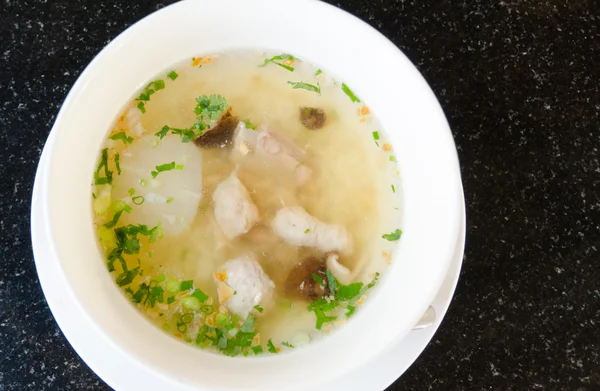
x=393 y=236
x=305 y=86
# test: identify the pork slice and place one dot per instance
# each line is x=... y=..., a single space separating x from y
x=234 y=210
x=242 y=284
x=272 y=149
x=296 y=226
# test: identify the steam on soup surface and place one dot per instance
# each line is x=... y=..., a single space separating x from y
x=246 y=203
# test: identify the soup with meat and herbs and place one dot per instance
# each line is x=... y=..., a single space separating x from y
x=246 y=203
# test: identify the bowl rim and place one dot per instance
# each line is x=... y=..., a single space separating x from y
x=93 y=67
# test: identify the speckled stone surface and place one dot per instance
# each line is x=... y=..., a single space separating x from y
x=520 y=84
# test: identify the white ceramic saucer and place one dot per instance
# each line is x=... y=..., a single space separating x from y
x=87 y=341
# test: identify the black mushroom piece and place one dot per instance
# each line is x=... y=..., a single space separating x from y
x=312 y=118
x=300 y=283
x=221 y=134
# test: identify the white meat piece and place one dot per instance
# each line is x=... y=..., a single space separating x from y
x=341 y=272
x=299 y=228
x=273 y=150
x=242 y=284
x=183 y=188
x=234 y=210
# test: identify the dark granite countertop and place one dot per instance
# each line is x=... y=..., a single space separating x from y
x=520 y=84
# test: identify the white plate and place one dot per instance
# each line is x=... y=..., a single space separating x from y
x=88 y=343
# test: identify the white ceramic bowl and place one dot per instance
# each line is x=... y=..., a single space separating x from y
x=329 y=37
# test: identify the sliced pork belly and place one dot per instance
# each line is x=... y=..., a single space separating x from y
x=234 y=210
x=299 y=228
x=242 y=284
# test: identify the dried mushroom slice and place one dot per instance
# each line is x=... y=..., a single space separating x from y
x=221 y=134
x=312 y=118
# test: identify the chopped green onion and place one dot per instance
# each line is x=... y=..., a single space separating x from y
x=350 y=94
x=307 y=230
x=271 y=347
x=160 y=278
x=170 y=300
x=198 y=294
x=107 y=179
x=207 y=309
x=257 y=349
x=166 y=167
x=249 y=124
x=375 y=135
x=318 y=72
x=117 y=163
x=351 y=310
x=127 y=277
x=142 y=107
x=393 y=188
x=283 y=56
x=123 y=137
x=305 y=86
x=114 y=220
x=187 y=318
x=172 y=285
x=191 y=303
x=143 y=182
x=258 y=308
x=248 y=326
x=138 y=200
x=169 y=200
x=393 y=236
x=185 y=285
x=131 y=191
x=392 y=158
x=172 y=75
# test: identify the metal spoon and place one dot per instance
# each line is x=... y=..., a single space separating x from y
x=426 y=320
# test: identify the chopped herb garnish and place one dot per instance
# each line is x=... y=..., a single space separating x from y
x=318 y=72
x=117 y=163
x=198 y=294
x=393 y=236
x=138 y=200
x=307 y=230
x=142 y=107
x=207 y=309
x=170 y=300
x=127 y=237
x=169 y=200
x=271 y=347
x=160 y=278
x=331 y=282
x=392 y=158
x=107 y=179
x=305 y=86
x=257 y=349
x=283 y=56
x=248 y=326
x=127 y=277
x=123 y=137
x=249 y=124
x=143 y=182
x=375 y=135
x=350 y=94
x=393 y=188
x=114 y=220
x=258 y=308
x=289 y=345
x=172 y=285
x=185 y=285
x=351 y=309
x=166 y=167
x=131 y=191
x=318 y=279
x=191 y=303
x=172 y=75
x=150 y=89
x=343 y=296
x=208 y=109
